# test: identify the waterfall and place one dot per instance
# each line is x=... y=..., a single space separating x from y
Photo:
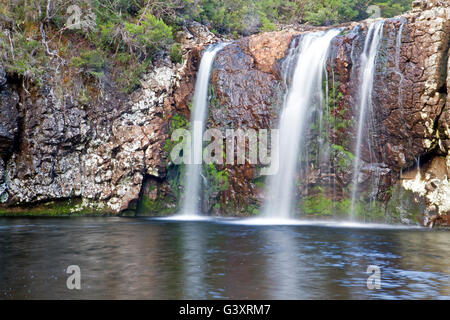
x=398 y=71
x=307 y=62
x=199 y=112
x=368 y=57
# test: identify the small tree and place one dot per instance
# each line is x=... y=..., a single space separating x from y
x=148 y=35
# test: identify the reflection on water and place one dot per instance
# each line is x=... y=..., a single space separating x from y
x=123 y=258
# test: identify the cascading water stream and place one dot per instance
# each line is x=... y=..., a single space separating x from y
x=304 y=96
x=367 y=71
x=191 y=197
x=398 y=71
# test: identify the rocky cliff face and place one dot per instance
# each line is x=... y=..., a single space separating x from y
x=111 y=154
x=95 y=156
x=409 y=122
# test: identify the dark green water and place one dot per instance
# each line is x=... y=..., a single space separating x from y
x=124 y=258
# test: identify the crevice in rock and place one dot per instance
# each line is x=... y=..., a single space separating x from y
x=422 y=162
x=19 y=140
x=149 y=183
x=114 y=152
x=438 y=117
x=443 y=89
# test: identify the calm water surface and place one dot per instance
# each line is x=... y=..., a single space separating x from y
x=127 y=258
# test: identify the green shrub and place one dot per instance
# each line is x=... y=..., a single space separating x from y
x=331 y=11
x=22 y=56
x=106 y=36
x=266 y=25
x=175 y=53
x=390 y=8
x=128 y=70
x=92 y=62
x=148 y=35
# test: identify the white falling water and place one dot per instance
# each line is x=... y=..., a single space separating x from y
x=368 y=59
x=304 y=94
x=199 y=112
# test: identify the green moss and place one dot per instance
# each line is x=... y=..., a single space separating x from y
x=217 y=180
x=165 y=197
x=330 y=125
x=370 y=212
x=175 y=53
x=158 y=207
x=343 y=207
x=402 y=207
x=57 y=208
x=128 y=213
x=317 y=205
x=260 y=182
x=253 y=209
x=335 y=117
x=175 y=177
x=177 y=121
x=343 y=158
x=166 y=200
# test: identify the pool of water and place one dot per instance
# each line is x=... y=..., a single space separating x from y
x=139 y=258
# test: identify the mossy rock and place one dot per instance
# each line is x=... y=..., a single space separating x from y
x=57 y=208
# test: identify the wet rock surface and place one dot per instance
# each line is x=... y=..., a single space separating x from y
x=409 y=118
x=246 y=96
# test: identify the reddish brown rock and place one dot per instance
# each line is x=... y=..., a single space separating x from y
x=267 y=48
x=409 y=96
x=246 y=96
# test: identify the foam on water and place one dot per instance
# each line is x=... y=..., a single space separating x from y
x=312 y=223
x=185 y=217
x=263 y=221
